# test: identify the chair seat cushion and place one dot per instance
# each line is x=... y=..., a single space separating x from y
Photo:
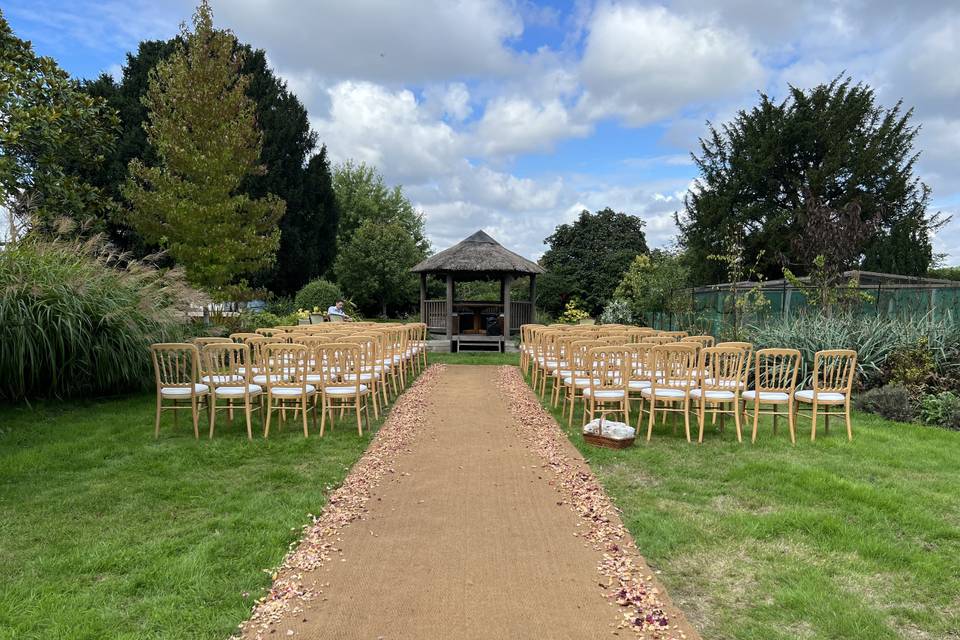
x=262 y=379
x=344 y=391
x=718 y=394
x=581 y=382
x=806 y=395
x=638 y=385
x=316 y=378
x=292 y=392
x=183 y=392
x=221 y=379
x=364 y=377
x=605 y=394
x=238 y=390
x=662 y=392
x=766 y=396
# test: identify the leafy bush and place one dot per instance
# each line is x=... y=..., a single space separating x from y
x=77 y=318
x=893 y=402
x=573 y=313
x=617 y=311
x=317 y=293
x=876 y=339
x=941 y=410
x=911 y=365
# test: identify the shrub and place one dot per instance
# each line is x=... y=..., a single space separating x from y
x=617 y=311
x=77 y=318
x=317 y=293
x=941 y=410
x=893 y=402
x=911 y=365
x=573 y=313
x=874 y=338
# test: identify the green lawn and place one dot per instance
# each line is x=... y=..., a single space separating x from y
x=823 y=540
x=108 y=533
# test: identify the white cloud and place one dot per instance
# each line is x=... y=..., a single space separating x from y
x=516 y=125
x=644 y=64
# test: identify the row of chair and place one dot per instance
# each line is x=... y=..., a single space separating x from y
x=347 y=367
x=613 y=368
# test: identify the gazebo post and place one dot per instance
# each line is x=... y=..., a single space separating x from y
x=507 y=280
x=423 y=299
x=533 y=297
x=449 y=306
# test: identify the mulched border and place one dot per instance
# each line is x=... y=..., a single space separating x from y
x=621 y=564
x=346 y=504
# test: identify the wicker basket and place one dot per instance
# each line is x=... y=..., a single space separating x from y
x=608 y=443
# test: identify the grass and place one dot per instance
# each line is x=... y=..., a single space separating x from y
x=475 y=357
x=108 y=533
x=823 y=540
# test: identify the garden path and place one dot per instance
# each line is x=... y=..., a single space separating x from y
x=467 y=538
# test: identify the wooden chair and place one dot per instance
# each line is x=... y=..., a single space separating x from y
x=833 y=374
x=638 y=371
x=703 y=341
x=658 y=340
x=527 y=332
x=229 y=372
x=285 y=376
x=672 y=378
x=342 y=388
x=369 y=347
x=722 y=371
x=774 y=381
x=269 y=331
x=676 y=335
x=176 y=371
x=608 y=382
x=241 y=336
x=576 y=377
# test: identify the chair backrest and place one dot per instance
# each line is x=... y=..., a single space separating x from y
x=608 y=368
x=639 y=333
x=638 y=356
x=658 y=339
x=676 y=335
x=343 y=364
x=369 y=345
x=673 y=365
x=333 y=317
x=175 y=364
x=834 y=370
x=704 y=340
x=269 y=331
x=614 y=339
x=202 y=340
x=241 y=336
x=526 y=333
x=776 y=370
x=226 y=362
x=285 y=365
x=722 y=368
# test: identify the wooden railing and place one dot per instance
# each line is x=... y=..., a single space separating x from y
x=437 y=316
x=521 y=312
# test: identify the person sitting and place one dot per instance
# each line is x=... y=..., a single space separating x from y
x=336 y=314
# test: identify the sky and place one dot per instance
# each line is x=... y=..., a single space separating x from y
x=512 y=116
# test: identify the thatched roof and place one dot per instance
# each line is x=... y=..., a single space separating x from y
x=477 y=254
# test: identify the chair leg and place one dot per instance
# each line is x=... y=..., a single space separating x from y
x=303 y=406
x=356 y=408
x=791 y=421
x=701 y=417
x=196 y=417
x=736 y=419
x=247 y=409
x=846 y=415
x=213 y=414
x=266 y=428
x=653 y=412
x=156 y=427
x=756 y=419
x=323 y=413
x=813 y=422
x=686 y=417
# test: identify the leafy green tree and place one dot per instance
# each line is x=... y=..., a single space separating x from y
x=656 y=282
x=362 y=196
x=202 y=126
x=47 y=126
x=304 y=182
x=833 y=142
x=588 y=257
x=373 y=268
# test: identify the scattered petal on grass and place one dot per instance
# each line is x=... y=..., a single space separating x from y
x=639 y=601
x=344 y=505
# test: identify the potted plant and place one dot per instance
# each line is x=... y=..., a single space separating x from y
x=303 y=317
x=317 y=316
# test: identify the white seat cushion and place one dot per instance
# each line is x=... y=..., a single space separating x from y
x=806 y=395
x=238 y=391
x=638 y=385
x=344 y=391
x=316 y=378
x=712 y=395
x=364 y=377
x=662 y=392
x=243 y=370
x=581 y=382
x=605 y=394
x=766 y=396
x=262 y=379
x=292 y=392
x=183 y=392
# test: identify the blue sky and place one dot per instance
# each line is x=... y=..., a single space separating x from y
x=513 y=115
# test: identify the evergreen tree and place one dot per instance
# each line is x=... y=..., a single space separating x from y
x=832 y=142
x=203 y=129
x=588 y=257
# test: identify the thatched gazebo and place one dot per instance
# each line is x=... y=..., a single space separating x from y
x=477 y=323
